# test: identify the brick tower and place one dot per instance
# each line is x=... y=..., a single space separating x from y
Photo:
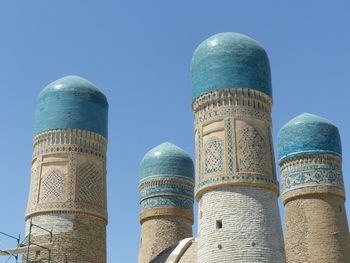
x=316 y=228
x=166 y=198
x=236 y=184
x=68 y=174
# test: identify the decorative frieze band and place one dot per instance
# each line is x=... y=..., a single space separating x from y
x=166 y=186
x=163 y=195
x=70 y=140
x=233 y=102
x=312 y=174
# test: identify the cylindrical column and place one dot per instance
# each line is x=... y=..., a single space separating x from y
x=166 y=198
x=316 y=228
x=68 y=176
x=236 y=184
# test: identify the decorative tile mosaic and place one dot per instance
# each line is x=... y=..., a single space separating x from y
x=309 y=172
x=251 y=150
x=167 y=201
x=166 y=186
x=213 y=156
x=71 y=140
x=234 y=102
x=230 y=148
x=52 y=187
x=90 y=187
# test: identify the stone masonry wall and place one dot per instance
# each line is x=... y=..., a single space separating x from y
x=316 y=230
x=76 y=238
x=238 y=221
x=160 y=233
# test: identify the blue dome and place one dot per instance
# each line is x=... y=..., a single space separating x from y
x=167 y=159
x=230 y=60
x=308 y=134
x=71 y=102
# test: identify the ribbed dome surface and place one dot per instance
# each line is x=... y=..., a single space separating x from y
x=308 y=134
x=169 y=160
x=71 y=102
x=230 y=60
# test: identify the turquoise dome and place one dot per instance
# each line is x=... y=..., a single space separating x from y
x=165 y=160
x=71 y=102
x=230 y=60
x=308 y=134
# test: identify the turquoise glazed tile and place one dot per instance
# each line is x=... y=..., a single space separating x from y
x=165 y=160
x=308 y=134
x=71 y=102
x=229 y=60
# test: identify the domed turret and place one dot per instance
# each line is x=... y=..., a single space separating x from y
x=308 y=134
x=235 y=170
x=313 y=195
x=68 y=174
x=166 y=199
x=71 y=102
x=230 y=60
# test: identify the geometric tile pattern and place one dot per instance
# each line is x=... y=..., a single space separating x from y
x=306 y=175
x=251 y=150
x=232 y=102
x=89 y=185
x=52 y=187
x=163 y=186
x=167 y=201
x=229 y=146
x=213 y=156
x=71 y=140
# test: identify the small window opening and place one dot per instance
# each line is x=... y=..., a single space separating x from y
x=218 y=224
x=340 y=209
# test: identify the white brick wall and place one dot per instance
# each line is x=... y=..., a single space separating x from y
x=251 y=226
x=59 y=223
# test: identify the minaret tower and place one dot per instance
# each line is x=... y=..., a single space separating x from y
x=166 y=198
x=316 y=228
x=68 y=175
x=236 y=183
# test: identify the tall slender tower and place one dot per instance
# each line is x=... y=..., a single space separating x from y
x=236 y=184
x=166 y=198
x=316 y=227
x=68 y=175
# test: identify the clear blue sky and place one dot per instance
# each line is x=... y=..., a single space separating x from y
x=138 y=53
